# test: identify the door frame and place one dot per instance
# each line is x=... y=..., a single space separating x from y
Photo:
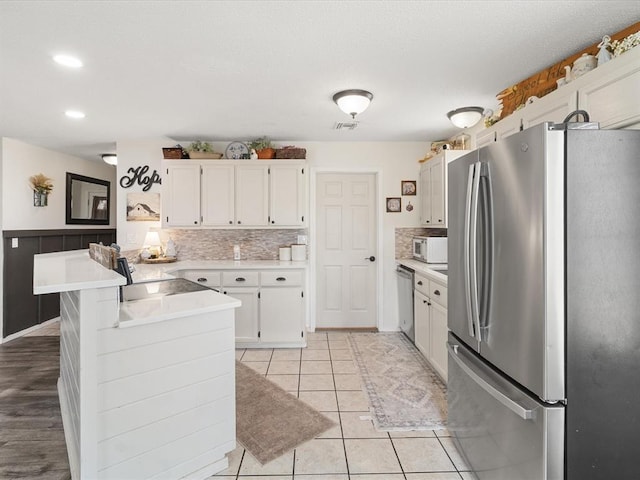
x=313 y=172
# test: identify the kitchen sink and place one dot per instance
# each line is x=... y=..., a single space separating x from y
x=162 y=288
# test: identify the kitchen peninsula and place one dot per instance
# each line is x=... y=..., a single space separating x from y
x=147 y=387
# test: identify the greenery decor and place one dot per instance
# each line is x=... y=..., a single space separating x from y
x=41 y=183
x=261 y=143
x=199 y=146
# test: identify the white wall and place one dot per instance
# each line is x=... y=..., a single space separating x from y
x=132 y=154
x=19 y=162
x=394 y=162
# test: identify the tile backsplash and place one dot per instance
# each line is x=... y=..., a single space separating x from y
x=258 y=244
x=404 y=236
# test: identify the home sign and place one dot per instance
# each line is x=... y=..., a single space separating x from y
x=139 y=175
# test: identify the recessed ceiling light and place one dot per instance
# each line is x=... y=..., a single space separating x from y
x=68 y=61
x=74 y=114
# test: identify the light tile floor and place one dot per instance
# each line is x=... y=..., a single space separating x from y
x=325 y=375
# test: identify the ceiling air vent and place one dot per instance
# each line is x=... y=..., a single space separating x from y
x=345 y=125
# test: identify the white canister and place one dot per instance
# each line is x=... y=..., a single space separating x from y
x=285 y=254
x=298 y=253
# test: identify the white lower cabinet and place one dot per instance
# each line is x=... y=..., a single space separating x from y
x=430 y=320
x=281 y=312
x=272 y=314
x=438 y=339
x=421 y=310
x=247 y=328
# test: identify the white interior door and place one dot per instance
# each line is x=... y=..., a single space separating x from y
x=346 y=271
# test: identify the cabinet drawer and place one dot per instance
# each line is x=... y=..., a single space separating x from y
x=209 y=278
x=421 y=284
x=241 y=278
x=281 y=278
x=438 y=293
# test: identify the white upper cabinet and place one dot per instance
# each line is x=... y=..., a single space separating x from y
x=609 y=94
x=612 y=98
x=252 y=195
x=242 y=193
x=181 y=195
x=218 y=195
x=433 y=188
x=287 y=195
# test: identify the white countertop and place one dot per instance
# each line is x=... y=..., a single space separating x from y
x=428 y=269
x=151 y=310
x=72 y=270
x=145 y=272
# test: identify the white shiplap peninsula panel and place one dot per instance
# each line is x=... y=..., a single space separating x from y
x=153 y=400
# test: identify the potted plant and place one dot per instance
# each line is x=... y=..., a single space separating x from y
x=263 y=147
x=41 y=186
x=200 y=149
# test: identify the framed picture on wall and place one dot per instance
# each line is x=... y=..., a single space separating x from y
x=408 y=187
x=143 y=207
x=394 y=204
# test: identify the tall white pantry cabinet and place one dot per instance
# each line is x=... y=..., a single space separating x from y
x=234 y=193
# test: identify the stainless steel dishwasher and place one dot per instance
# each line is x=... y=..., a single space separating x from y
x=405 y=300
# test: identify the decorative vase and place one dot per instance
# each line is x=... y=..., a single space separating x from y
x=39 y=199
x=582 y=65
x=266 y=153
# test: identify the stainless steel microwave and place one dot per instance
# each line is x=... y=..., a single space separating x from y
x=430 y=249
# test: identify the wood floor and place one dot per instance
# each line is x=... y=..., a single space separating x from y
x=32 y=444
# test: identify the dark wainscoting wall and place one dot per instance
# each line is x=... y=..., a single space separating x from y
x=23 y=309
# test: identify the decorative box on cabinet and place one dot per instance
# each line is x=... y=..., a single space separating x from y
x=433 y=188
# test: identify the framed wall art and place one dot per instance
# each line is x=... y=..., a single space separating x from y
x=408 y=187
x=394 y=204
x=143 y=207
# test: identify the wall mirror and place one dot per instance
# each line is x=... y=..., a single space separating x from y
x=87 y=200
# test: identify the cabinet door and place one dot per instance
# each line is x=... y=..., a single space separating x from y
x=425 y=192
x=181 y=196
x=552 y=108
x=437 y=192
x=612 y=99
x=252 y=195
x=218 y=182
x=281 y=314
x=508 y=126
x=485 y=137
x=286 y=192
x=246 y=315
x=438 y=339
x=421 y=311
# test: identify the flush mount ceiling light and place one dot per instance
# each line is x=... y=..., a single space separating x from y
x=68 y=61
x=465 y=117
x=110 y=158
x=74 y=114
x=353 y=102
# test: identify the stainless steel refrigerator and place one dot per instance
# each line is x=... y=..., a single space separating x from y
x=544 y=305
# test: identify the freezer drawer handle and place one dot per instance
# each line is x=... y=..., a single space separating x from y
x=512 y=405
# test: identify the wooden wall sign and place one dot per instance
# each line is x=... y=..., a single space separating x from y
x=139 y=175
x=544 y=82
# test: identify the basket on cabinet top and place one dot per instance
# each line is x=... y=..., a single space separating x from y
x=291 y=152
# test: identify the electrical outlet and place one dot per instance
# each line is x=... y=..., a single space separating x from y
x=14 y=242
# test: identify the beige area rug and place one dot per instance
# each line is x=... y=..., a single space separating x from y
x=404 y=392
x=270 y=421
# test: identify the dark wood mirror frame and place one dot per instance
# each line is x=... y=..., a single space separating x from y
x=98 y=215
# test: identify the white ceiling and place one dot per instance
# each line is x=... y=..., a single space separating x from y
x=236 y=70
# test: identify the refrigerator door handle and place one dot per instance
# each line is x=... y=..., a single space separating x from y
x=473 y=251
x=515 y=407
x=467 y=247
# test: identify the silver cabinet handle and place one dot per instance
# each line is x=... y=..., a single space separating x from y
x=522 y=412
